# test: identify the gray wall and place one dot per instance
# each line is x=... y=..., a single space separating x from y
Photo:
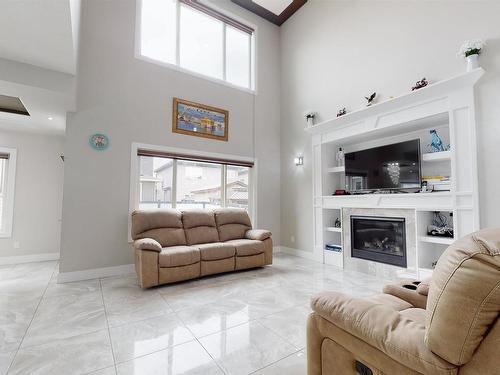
x=334 y=53
x=130 y=100
x=38 y=194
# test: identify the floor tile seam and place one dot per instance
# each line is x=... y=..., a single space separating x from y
x=219 y=299
x=31 y=320
x=64 y=338
x=199 y=342
x=285 y=357
x=154 y=352
x=280 y=336
x=107 y=325
x=140 y=320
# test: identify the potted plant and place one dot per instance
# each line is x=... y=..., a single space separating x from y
x=470 y=50
x=310 y=115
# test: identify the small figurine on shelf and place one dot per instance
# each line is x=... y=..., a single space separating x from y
x=341 y=112
x=370 y=99
x=337 y=223
x=310 y=115
x=422 y=83
x=436 y=142
x=340 y=157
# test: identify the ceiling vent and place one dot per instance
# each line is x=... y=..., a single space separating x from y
x=11 y=104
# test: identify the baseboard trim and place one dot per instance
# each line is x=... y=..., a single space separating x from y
x=18 y=259
x=94 y=273
x=298 y=253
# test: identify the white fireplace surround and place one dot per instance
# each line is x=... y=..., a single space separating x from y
x=382 y=270
x=448 y=106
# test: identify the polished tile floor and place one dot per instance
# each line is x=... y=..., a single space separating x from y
x=250 y=322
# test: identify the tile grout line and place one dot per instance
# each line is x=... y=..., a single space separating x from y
x=107 y=326
x=199 y=342
x=269 y=365
x=31 y=320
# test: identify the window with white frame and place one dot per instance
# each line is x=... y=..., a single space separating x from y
x=7 y=176
x=195 y=37
x=167 y=181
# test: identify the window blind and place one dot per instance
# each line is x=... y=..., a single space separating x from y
x=218 y=15
x=4 y=156
x=204 y=159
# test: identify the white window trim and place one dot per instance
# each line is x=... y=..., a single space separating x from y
x=253 y=54
x=8 y=213
x=135 y=183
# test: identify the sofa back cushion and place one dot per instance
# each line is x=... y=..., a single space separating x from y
x=464 y=296
x=199 y=226
x=232 y=223
x=164 y=226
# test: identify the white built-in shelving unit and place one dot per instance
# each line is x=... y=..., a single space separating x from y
x=447 y=106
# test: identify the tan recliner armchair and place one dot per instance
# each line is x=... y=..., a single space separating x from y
x=457 y=333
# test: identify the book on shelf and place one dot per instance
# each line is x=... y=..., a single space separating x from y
x=438 y=183
x=333 y=247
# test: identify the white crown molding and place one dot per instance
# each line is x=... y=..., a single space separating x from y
x=95 y=273
x=432 y=92
x=18 y=259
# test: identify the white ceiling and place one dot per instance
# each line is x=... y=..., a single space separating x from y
x=38 y=53
x=275 y=6
x=40 y=32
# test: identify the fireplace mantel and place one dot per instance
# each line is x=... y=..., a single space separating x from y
x=448 y=106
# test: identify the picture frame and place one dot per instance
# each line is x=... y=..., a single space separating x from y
x=199 y=120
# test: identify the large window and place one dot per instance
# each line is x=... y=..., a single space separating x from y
x=7 y=176
x=190 y=35
x=181 y=183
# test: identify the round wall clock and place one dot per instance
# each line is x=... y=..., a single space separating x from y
x=99 y=141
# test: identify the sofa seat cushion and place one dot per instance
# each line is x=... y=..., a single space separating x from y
x=216 y=250
x=246 y=248
x=415 y=314
x=175 y=256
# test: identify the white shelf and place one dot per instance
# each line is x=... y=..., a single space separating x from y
x=333 y=229
x=432 y=91
x=336 y=170
x=438 y=240
x=436 y=156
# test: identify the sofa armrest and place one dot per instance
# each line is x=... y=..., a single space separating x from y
x=423 y=287
x=257 y=234
x=382 y=327
x=147 y=244
x=407 y=290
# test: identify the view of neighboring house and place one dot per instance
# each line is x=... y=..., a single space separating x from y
x=198 y=184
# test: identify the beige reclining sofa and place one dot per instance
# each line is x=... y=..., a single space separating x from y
x=172 y=245
x=456 y=332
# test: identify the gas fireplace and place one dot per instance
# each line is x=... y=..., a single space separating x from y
x=380 y=239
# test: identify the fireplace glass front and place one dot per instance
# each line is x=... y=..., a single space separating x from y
x=380 y=239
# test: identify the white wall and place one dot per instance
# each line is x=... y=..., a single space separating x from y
x=38 y=194
x=131 y=100
x=333 y=53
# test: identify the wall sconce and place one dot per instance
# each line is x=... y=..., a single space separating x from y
x=299 y=160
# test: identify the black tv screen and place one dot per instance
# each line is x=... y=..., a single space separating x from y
x=395 y=166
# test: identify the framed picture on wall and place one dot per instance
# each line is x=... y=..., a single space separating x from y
x=199 y=120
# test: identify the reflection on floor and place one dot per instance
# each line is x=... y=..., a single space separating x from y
x=238 y=323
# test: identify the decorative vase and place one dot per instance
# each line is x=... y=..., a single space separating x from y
x=472 y=62
x=310 y=121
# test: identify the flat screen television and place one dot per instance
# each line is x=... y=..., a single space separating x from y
x=391 y=167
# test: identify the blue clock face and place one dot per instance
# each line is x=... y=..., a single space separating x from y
x=99 y=141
